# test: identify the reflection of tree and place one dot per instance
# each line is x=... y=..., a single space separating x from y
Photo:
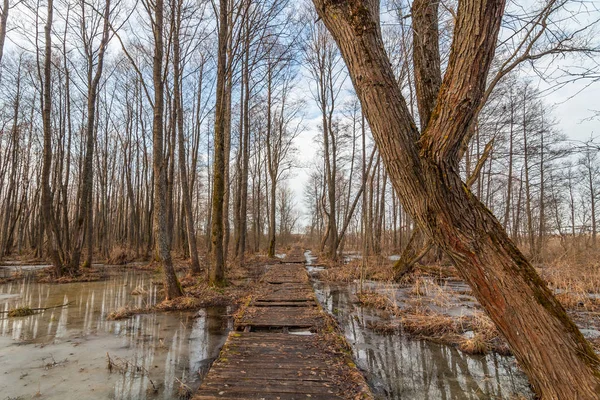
x=447 y=360
x=198 y=342
x=61 y=327
x=407 y=368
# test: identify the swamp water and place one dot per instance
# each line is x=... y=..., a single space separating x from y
x=61 y=353
x=398 y=367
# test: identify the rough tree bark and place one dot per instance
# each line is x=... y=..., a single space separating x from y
x=3 y=22
x=172 y=287
x=47 y=209
x=217 y=265
x=558 y=360
x=412 y=253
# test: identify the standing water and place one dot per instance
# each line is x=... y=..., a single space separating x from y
x=399 y=367
x=62 y=353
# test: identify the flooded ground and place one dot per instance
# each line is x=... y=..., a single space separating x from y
x=10 y=268
x=61 y=353
x=399 y=367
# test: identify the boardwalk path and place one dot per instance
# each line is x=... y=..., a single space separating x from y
x=271 y=355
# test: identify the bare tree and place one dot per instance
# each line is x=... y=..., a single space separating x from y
x=84 y=213
x=177 y=77
x=424 y=171
x=217 y=267
x=172 y=287
x=3 y=21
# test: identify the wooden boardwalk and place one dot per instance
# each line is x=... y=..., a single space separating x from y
x=284 y=346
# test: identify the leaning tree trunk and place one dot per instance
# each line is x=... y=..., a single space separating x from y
x=558 y=360
x=414 y=251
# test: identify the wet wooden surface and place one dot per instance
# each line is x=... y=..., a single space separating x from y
x=272 y=354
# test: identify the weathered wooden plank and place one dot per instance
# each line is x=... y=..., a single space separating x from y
x=268 y=303
x=261 y=365
x=260 y=395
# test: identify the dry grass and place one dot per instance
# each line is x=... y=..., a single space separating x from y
x=474 y=333
x=418 y=288
x=431 y=325
x=120 y=255
x=179 y=304
x=572 y=271
x=575 y=281
x=470 y=334
x=474 y=345
x=375 y=268
x=378 y=268
x=573 y=268
x=374 y=300
x=198 y=296
x=126 y=312
x=85 y=275
x=20 y=312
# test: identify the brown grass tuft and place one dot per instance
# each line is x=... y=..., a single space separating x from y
x=474 y=345
x=433 y=325
x=120 y=256
x=179 y=304
x=125 y=312
x=20 y=312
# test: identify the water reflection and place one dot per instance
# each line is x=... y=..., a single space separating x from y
x=401 y=368
x=158 y=347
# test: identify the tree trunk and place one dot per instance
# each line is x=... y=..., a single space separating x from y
x=187 y=199
x=217 y=267
x=85 y=200
x=271 y=168
x=47 y=198
x=3 y=22
x=172 y=287
x=558 y=360
x=243 y=228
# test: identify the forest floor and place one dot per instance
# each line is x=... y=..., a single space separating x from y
x=434 y=303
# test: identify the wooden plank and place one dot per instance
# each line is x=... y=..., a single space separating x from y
x=268 y=365
x=269 y=303
x=263 y=396
x=277 y=317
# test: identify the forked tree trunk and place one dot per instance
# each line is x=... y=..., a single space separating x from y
x=558 y=360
